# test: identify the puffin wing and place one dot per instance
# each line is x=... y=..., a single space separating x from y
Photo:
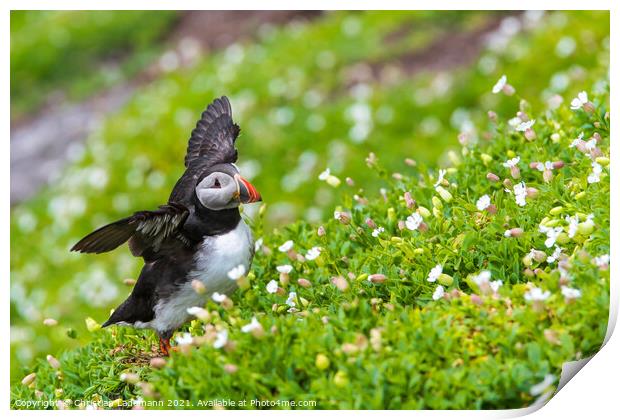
x=144 y=230
x=213 y=139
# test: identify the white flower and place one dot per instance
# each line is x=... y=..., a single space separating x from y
x=414 y=221
x=590 y=145
x=272 y=286
x=324 y=175
x=525 y=125
x=578 y=140
x=602 y=261
x=483 y=202
x=520 y=193
x=552 y=234
x=595 y=175
x=514 y=122
x=258 y=244
x=237 y=272
x=536 y=294
x=313 y=253
x=286 y=246
x=442 y=173
x=435 y=273
x=337 y=214
x=497 y=88
x=253 y=325
x=218 y=297
x=495 y=285
x=484 y=277
x=221 y=339
x=556 y=254
x=579 y=101
x=507 y=233
x=438 y=293
x=184 y=339
x=570 y=293
x=284 y=268
x=542 y=386
x=291 y=299
x=511 y=162
x=573 y=223
x=378 y=231
x=544 y=166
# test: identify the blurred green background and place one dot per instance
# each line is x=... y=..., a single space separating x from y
x=309 y=90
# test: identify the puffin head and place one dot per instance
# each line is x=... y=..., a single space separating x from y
x=221 y=187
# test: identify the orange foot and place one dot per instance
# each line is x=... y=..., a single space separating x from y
x=165 y=347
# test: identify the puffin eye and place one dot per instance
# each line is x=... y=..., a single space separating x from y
x=217 y=184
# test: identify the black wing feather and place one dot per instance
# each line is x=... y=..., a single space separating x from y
x=213 y=139
x=145 y=229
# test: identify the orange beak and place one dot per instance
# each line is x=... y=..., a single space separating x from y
x=247 y=192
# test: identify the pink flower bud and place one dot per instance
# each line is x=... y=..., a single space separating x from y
x=401 y=225
x=349 y=182
x=475 y=299
x=534 y=165
x=515 y=172
x=371 y=223
x=340 y=283
x=410 y=162
x=596 y=152
x=558 y=164
x=491 y=209
x=397 y=176
x=320 y=231
x=589 y=107
x=516 y=232
x=492 y=177
x=158 y=362
x=230 y=368
x=508 y=183
x=547 y=175
x=523 y=116
x=377 y=278
x=531 y=192
x=530 y=134
x=492 y=116
x=423 y=227
x=508 y=90
x=597 y=136
x=539 y=256
x=409 y=200
x=463 y=139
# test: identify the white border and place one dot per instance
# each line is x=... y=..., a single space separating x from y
x=592 y=393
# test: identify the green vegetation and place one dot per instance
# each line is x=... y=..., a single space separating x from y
x=348 y=342
x=78 y=52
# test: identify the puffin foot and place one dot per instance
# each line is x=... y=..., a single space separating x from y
x=165 y=347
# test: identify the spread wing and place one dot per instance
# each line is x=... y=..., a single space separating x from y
x=213 y=139
x=145 y=230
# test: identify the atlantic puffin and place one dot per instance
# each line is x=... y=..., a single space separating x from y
x=197 y=235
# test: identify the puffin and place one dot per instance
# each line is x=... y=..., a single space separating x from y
x=198 y=234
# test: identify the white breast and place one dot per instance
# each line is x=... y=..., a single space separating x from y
x=216 y=256
x=220 y=254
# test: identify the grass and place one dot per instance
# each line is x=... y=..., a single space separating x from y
x=493 y=348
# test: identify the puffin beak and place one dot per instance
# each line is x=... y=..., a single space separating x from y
x=247 y=192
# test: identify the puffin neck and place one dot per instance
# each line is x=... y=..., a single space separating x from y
x=216 y=222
